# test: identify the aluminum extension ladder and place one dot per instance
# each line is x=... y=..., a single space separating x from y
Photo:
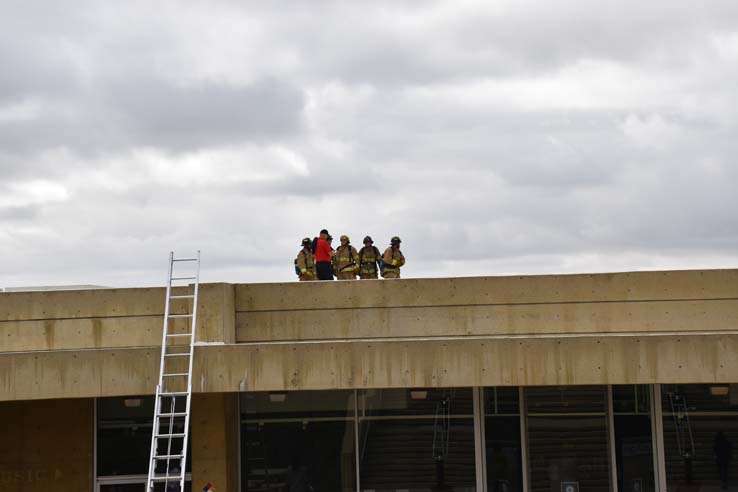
x=174 y=391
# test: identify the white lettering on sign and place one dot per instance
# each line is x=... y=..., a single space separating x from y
x=29 y=475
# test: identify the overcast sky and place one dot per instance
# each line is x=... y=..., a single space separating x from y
x=494 y=137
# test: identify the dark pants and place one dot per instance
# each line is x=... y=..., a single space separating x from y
x=325 y=270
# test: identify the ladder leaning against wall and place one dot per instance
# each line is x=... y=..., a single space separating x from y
x=168 y=458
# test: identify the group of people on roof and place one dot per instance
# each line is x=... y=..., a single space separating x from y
x=317 y=260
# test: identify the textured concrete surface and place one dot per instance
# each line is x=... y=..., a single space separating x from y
x=644 y=327
x=215 y=428
x=46 y=446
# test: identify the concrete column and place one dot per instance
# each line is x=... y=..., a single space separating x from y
x=215 y=437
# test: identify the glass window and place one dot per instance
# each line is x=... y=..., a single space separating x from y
x=566 y=399
x=700 y=435
x=502 y=400
x=413 y=401
x=502 y=439
x=568 y=438
x=298 y=404
x=631 y=398
x=416 y=439
x=123 y=487
x=633 y=438
x=300 y=440
x=124 y=435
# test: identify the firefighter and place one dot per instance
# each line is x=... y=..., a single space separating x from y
x=345 y=261
x=323 y=256
x=393 y=259
x=305 y=261
x=369 y=258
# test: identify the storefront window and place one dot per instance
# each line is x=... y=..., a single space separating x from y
x=568 y=438
x=302 y=440
x=416 y=440
x=124 y=426
x=700 y=436
x=502 y=439
x=633 y=438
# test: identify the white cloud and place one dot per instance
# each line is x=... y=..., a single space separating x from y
x=33 y=192
x=19 y=112
x=491 y=137
x=651 y=131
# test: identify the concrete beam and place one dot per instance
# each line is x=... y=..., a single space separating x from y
x=78 y=373
x=478 y=361
x=384 y=363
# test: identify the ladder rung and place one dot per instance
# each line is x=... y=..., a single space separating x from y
x=173 y=393
x=188 y=296
x=184 y=278
x=175 y=435
x=175 y=374
x=184 y=259
x=187 y=354
x=173 y=414
x=166 y=478
x=179 y=334
x=169 y=456
x=180 y=315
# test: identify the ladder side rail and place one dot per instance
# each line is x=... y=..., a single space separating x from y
x=165 y=331
x=154 y=430
x=188 y=402
x=193 y=320
x=185 y=440
x=159 y=387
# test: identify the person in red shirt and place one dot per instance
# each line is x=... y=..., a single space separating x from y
x=323 y=255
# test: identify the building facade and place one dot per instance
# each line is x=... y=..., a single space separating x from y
x=563 y=383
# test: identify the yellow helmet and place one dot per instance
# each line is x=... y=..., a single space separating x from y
x=346 y=238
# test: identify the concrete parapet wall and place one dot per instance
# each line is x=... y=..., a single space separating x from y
x=644 y=327
x=641 y=302
x=107 y=318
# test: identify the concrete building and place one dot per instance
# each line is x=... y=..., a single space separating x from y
x=606 y=383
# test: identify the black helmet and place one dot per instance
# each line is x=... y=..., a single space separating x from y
x=395 y=240
x=368 y=238
x=307 y=242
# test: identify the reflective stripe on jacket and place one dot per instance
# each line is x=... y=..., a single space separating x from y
x=393 y=259
x=346 y=260
x=306 y=263
x=368 y=259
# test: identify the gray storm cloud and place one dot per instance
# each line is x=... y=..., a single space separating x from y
x=494 y=137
